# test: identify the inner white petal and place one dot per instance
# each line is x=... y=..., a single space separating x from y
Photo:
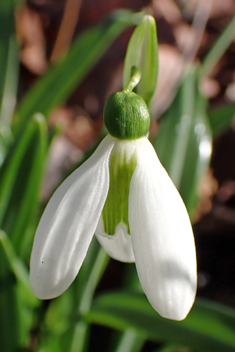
x=119 y=245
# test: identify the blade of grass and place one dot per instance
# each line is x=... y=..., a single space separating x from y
x=18 y=268
x=8 y=62
x=64 y=319
x=197 y=157
x=25 y=196
x=171 y=142
x=129 y=341
x=221 y=118
x=9 y=322
x=218 y=49
x=8 y=73
x=184 y=140
x=16 y=298
x=15 y=174
x=208 y=327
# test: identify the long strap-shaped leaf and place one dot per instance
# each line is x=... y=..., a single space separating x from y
x=8 y=61
x=183 y=142
x=221 y=118
x=8 y=72
x=59 y=81
x=20 y=179
x=208 y=327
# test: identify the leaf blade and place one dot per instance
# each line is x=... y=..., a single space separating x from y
x=208 y=327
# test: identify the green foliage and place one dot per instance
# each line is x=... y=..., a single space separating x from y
x=218 y=49
x=208 y=327
x=21 y=178
x=8 y=73
x=184 y=140
x=221 y=118
x=8 y=61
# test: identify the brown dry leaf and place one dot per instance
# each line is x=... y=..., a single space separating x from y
x=188 y=7
x=210 y=87
x=222 y=8
x=62 y=156
x=183 y=34
x=67 y=27
x=207 y=190
x=170 y=69
x=76 y=125
x=230 y=92
x=80 y=130
x=167 y=9
x=30 y=35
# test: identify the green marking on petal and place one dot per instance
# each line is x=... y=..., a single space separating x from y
x=122 y=164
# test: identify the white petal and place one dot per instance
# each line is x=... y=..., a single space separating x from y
x=68 y=224
x=119 y=245
x=162 y=237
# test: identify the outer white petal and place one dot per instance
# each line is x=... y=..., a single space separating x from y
x=119 y=245
x=68 y=224
x=162 y=237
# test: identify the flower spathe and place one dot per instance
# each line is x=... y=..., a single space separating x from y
x=157 y=234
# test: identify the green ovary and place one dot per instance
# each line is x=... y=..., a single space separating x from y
x=121 y=167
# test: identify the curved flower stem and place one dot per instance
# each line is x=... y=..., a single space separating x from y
x=81 y=328
x=134 y=80
x=130 y=341
x=99 y=267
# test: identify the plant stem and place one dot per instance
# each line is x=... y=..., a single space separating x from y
x=134 y=80
x=80 y=332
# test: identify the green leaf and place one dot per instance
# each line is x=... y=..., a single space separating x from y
x=16 y=298
x=218 y=49
x=61 y=318
x=173 y=348
x=8 y=73
x=8 y=61
x=18 y=268
x=20 y=180
x=208 y=327
x=197 y=157
x=9 y=323
x=5 y=140
x=221 y=118
x=142 y=52
x=129 y=341
x=60 y=80
x=184 y=140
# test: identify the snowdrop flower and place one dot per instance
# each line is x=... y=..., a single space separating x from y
x=123 y=195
